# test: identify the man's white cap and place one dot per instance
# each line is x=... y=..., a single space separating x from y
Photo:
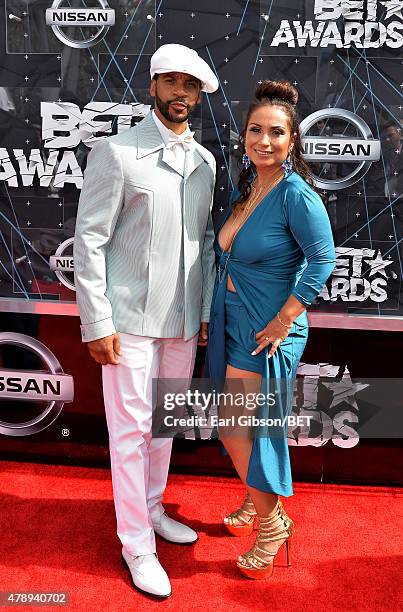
x=178 y=58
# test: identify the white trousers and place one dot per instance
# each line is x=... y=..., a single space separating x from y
x=139 y=463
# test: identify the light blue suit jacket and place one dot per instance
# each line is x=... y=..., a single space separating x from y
x=143 y=246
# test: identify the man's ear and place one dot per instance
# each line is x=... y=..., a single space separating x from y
x=153 y=86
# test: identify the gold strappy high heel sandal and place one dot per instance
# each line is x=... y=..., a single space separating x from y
x=241 y=522
x=258 y=563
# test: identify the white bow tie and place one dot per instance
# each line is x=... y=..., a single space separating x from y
x=186 y=141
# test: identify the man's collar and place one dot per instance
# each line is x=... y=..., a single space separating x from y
x=149 y=140
x=168 y=135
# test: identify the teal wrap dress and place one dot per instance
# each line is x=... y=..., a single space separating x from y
x=285 y=247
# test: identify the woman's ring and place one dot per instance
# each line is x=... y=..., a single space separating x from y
x=266 y=338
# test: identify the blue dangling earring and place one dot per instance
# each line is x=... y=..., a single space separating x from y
x=287 y=164
x=245 y=161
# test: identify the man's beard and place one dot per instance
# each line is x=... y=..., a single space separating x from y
x=163 y=107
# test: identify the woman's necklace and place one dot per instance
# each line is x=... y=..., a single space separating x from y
x=254 y=197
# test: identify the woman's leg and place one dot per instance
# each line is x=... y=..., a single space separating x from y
x=275 y=527
x=239 y=445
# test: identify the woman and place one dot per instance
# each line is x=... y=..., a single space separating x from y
x=275 y=251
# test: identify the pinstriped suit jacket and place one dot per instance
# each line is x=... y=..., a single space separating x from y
x=132 y=273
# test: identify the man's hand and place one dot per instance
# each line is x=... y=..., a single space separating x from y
x=203 y=334
x=104 y=350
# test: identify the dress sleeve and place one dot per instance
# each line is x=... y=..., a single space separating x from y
x=309 y=224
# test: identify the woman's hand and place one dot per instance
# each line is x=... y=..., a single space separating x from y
x=273 y=333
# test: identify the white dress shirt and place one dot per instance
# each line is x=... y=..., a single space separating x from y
x=176 y=147
x=176 y=144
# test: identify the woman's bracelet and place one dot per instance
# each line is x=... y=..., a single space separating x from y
x=282 y=322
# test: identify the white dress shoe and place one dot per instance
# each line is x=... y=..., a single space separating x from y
x=147 y=574
x=173 y=531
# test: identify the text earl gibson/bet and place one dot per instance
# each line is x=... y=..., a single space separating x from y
x=241 y=421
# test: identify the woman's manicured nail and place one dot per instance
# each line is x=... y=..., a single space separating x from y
x=254 y=353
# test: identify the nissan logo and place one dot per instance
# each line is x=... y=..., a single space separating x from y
x=361 y=150
x=51 y=385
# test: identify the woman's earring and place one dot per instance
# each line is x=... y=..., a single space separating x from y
x=245 y=161
x=287 y=163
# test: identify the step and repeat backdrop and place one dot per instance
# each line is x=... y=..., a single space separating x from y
x=72 y=72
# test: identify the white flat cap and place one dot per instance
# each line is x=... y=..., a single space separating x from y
x=178 y=58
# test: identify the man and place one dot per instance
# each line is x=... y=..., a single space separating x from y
x=144 y=273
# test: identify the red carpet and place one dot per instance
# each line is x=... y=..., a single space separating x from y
x=58 y=533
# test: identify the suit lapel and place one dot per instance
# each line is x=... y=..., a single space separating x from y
x=193 y=160
x=149 y=138
x=149 y=141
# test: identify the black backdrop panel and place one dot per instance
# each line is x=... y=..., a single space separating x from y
x=57 y=99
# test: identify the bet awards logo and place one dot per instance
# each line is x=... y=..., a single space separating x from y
x=64 y=128
x=58 y=17
x=49 y=386
x=329 y=146
x=359 y=18
x=329 y=407
x=359 y=275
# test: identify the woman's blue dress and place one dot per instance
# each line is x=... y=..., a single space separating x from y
x=285 y=247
